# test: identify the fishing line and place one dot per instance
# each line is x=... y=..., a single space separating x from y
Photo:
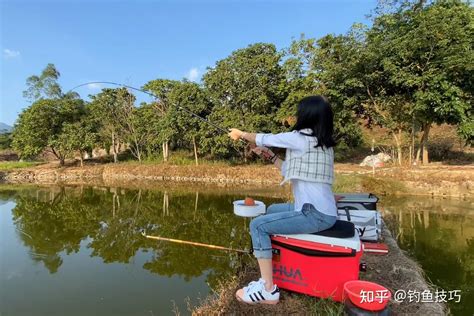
x=221 y=129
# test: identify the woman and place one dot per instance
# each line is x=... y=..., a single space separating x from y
x=309 y=166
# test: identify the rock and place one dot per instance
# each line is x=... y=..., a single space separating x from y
x=375 y=160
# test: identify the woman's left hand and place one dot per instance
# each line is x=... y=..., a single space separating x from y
x=263 y=152
x=235 y=134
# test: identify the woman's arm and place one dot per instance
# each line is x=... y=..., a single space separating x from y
x=290 y=140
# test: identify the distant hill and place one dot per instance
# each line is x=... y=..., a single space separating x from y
x=5 y=128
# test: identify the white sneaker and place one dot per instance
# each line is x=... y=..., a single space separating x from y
x=255 y=293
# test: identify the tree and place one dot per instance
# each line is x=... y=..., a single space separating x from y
x=148 y=127
x=300 y=78
x=113 y=110
x=135 y=133
x=188 y=97
x=324 y=66
x=352 y=71
x=246 y=89
x=78 y=136
x=46 y=85
x=162 y=88
x=5 y=140
x=410 y=69
x=425 y=56
x=39 y=127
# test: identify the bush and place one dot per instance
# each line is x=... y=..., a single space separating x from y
x=5 y=141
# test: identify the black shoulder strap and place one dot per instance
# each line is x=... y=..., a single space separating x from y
x=348 y=214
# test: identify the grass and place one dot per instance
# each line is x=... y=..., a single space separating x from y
x=223 y=302
x=322 y=306
x=185 y=158
x=9 y=165
x=346 y=183
x=367 y=183
x=382 y=186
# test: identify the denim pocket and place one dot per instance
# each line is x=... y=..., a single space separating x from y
x=321 y=220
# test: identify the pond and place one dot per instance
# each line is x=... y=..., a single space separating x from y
x=80 y=251
x=439 y=234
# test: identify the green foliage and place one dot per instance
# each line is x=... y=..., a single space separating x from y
x=168 y=116
x=246 y=90
x=149 y=126
x=77 y=136
x=411 y=68
x=423 y=58
x=9 y=165
x=188 y=97
x=40 y=126
x=160 y=122
x=46 y=85
x=162 y=89
x=51 y=120
x=5 y=140
x=324 y=67
x=113 y=113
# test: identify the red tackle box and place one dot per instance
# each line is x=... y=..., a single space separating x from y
x=317 y=264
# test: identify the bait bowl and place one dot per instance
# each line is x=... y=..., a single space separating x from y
x=240 y=209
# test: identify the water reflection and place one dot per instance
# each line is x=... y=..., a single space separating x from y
x=440 y=235
x=53 y=222
x=96 y=262
x=89 y=241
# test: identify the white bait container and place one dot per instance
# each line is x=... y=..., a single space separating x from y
x=240 y=209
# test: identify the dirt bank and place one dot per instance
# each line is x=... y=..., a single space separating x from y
x=436 y=180
x=396 y=271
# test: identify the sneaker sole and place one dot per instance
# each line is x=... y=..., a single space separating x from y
x=255 y=303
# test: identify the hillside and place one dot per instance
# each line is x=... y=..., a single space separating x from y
x=5 y=128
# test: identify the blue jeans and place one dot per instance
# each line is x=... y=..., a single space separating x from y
x=283 y=219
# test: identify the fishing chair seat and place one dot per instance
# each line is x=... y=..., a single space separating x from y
x=341 y=229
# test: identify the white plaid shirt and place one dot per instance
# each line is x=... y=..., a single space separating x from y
x=314 y=165
x=309 y=169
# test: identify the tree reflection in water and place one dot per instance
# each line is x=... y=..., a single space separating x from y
x=54 y=222
x=439 y=234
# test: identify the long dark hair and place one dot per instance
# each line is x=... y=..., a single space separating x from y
x=315 y=113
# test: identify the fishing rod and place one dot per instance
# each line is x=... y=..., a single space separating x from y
x=221 y=129
x=192 y=243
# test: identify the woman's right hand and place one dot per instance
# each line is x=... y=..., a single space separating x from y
x=235 y=133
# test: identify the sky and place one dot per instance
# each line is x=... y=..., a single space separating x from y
x=134 y=41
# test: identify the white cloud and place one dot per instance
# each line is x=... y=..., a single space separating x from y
x=94 y=86
x=193 y=74
x=9 y=53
